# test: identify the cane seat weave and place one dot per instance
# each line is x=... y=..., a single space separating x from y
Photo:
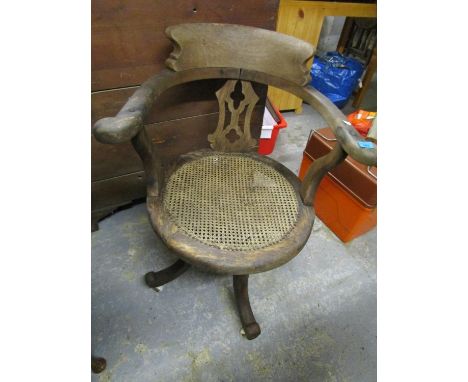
x=231 y=201
x=231 y=212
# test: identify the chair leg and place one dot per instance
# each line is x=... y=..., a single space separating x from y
x=156 y=279
x=98 y=364
x=241 y=292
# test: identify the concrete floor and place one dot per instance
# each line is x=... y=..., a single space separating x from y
x=317 y=313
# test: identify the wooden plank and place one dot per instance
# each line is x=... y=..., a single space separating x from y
x=128 y=41
x=117 y=191
x=306 y=24
x=283 y=17
x=329 y=8
x=181 y=101
x=345 y=33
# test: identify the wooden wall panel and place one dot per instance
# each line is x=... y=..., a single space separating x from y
x=183 y=101
x=128 y=40
x=116 y=191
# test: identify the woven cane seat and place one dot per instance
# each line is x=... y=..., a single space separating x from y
x=230 y=206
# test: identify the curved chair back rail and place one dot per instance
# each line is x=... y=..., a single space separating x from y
x=130 y=120
x=198 y=49
x=227 y=45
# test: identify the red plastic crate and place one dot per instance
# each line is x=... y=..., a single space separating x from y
x=267 y=145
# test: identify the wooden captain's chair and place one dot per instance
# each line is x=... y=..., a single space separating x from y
x=227 y=209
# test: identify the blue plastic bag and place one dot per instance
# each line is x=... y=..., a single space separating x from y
x=336 y=76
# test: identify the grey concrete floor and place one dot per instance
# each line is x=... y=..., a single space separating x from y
x=317 y=312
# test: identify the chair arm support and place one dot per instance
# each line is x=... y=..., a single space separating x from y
x=346 y=135
x=317 y=171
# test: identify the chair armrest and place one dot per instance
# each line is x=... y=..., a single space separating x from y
x=130 y=119
x=345 y=133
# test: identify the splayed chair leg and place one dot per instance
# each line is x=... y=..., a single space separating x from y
x=98 y=364
x=156 y=279
x=241 y=292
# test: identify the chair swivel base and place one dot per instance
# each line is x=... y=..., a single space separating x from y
x=241 y=293
x=157 y=279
